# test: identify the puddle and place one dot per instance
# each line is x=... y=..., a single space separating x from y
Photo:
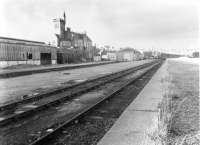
x=103 y=111
x=91 y=95
x=1 y=118
x=66 y=73
x=78 y=81
x=76 y=99
x=50 y=130
x=105 y=73
x=71 y=82
x=18 y=112
x=38 y=90
x=30 y=106
x=96 y=117
x=28 y=96
x=70 y=107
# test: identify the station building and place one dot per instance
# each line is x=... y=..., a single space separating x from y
x=18 y=51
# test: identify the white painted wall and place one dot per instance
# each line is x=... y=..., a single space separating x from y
x=4 y=64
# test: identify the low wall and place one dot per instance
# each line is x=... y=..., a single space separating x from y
x=4 y=64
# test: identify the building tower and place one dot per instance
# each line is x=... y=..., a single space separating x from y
x=62 y=26
x=59 y=25
x=64 y=18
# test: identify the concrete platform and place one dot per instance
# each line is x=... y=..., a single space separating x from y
x=139 y=122
x=12 y=89
x=7 y=73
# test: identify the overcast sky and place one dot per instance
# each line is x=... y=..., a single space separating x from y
x=171 y=25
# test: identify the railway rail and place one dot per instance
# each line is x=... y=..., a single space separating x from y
x=15 y=111
x=56 y=97
x=28 y=99
x=43 y=139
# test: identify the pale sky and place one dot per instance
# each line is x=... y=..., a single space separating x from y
x=166 y=25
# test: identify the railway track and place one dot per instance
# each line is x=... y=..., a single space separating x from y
x=91 y=127
x=53 y=98
x=15 y=111
x=51 y=92
x=42 y=140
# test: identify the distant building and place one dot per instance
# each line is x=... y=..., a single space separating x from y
x=148 y=54
x=169 y=55
x=109 y=55
x=195 y=54
x=112 y=55
x=128 y=54
x=104 y=55
x=67 y=39
x=18 y=51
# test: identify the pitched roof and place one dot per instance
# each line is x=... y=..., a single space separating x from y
x=128 y=49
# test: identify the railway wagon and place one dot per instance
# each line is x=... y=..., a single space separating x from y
x=18 y=51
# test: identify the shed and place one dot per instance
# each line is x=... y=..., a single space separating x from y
x=18 y=51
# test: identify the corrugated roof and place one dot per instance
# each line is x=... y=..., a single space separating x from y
x=16 y=39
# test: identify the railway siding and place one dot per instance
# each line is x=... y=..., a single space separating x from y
x=23 y=109
x=25 y=123
x=18 y=88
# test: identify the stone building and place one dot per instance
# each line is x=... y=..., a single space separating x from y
x=67 y=39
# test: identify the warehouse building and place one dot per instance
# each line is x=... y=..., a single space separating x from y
x=18 y=51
